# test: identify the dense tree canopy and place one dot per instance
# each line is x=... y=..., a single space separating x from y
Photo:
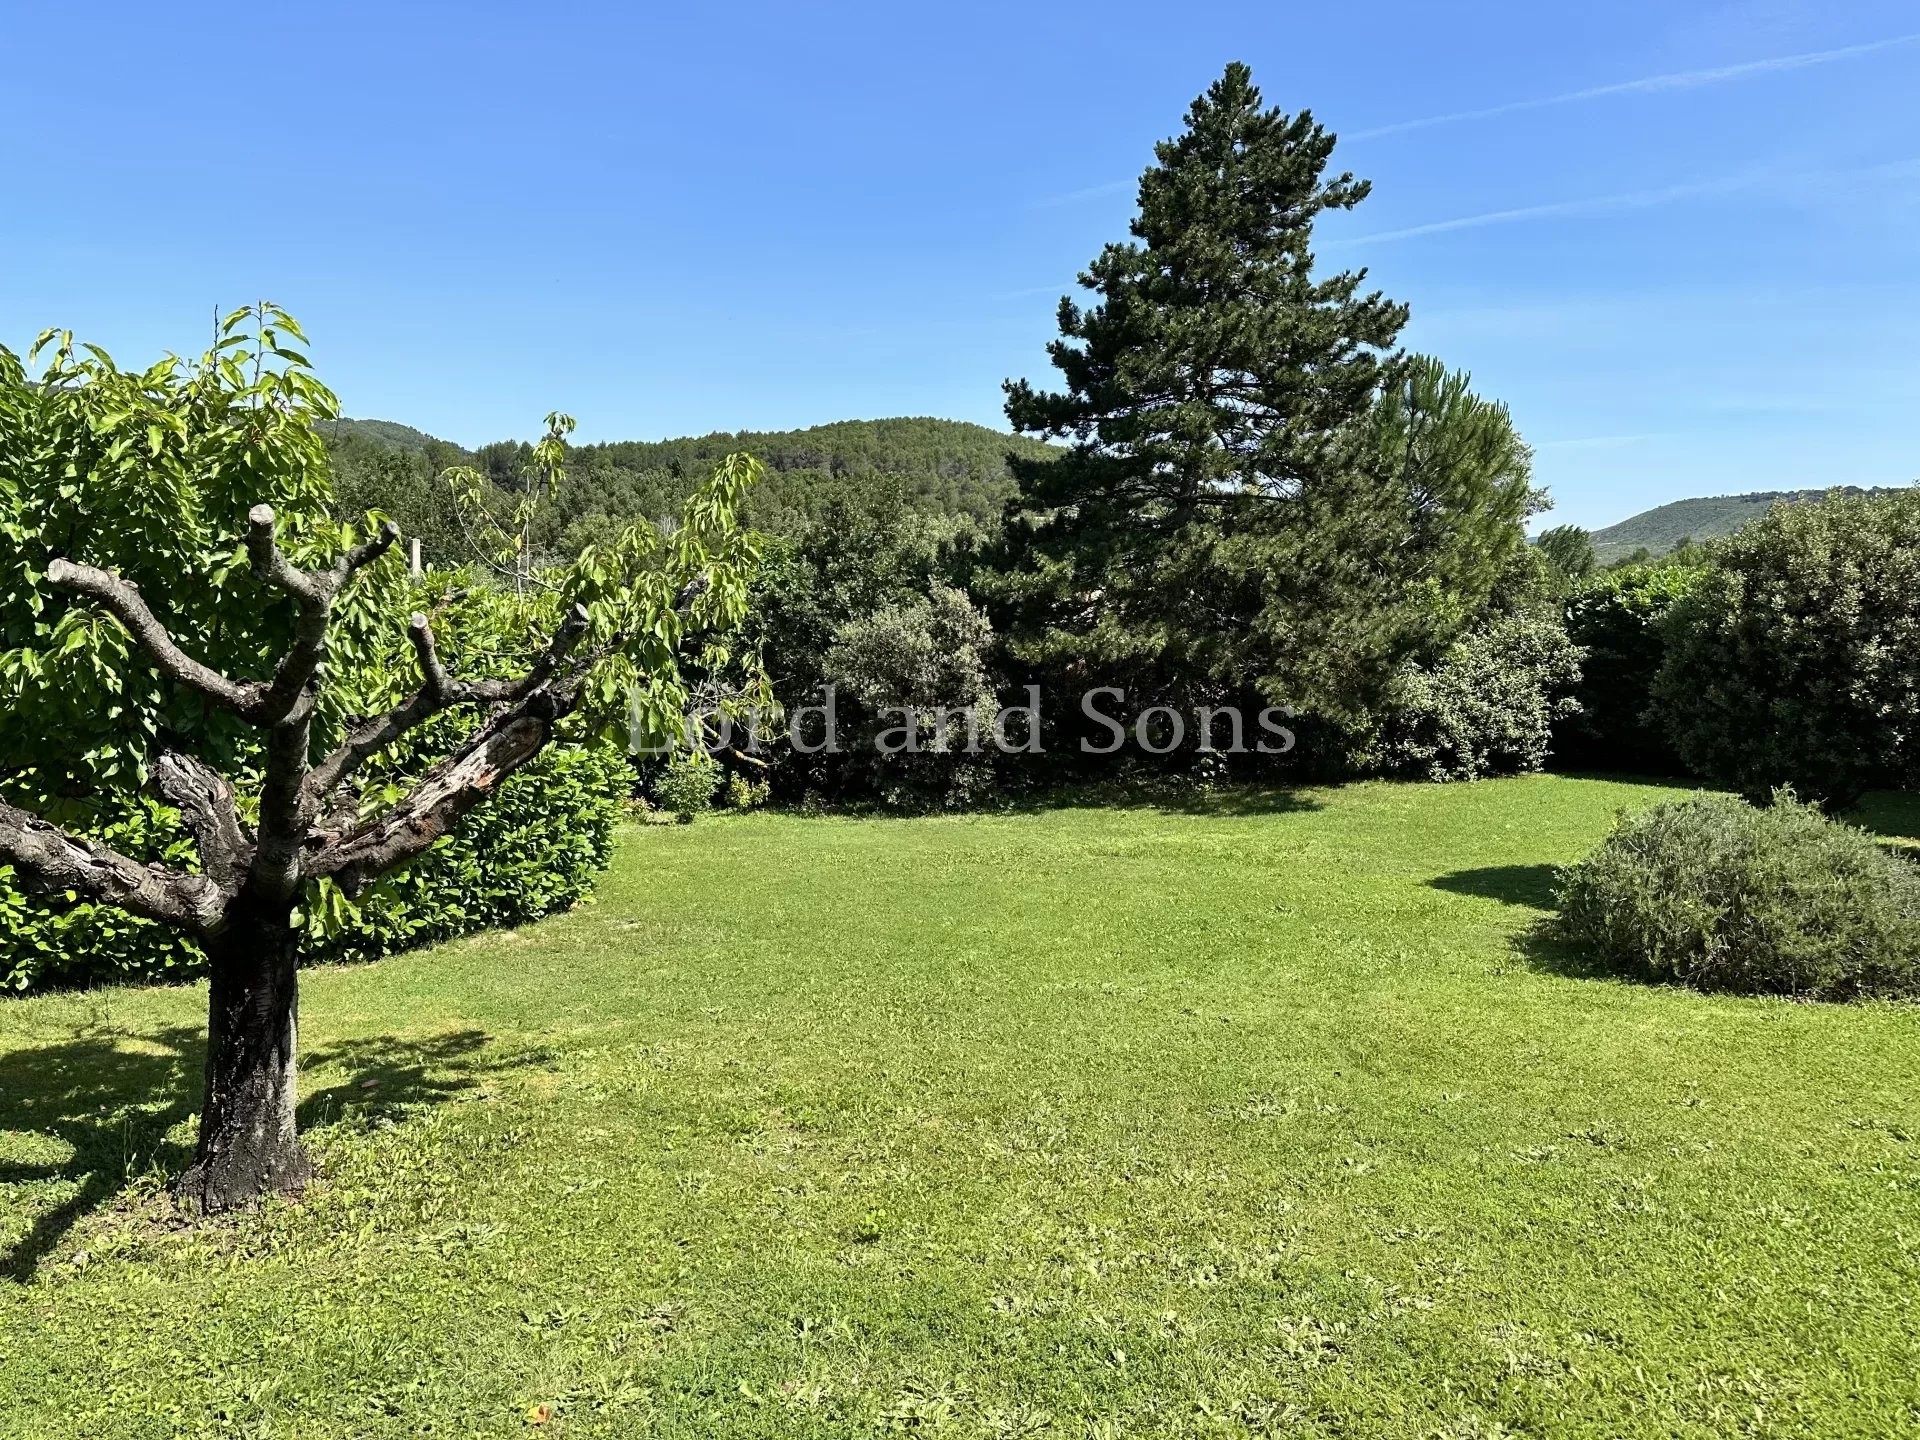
x=1260 y=487
x=931 y=467
x=1794 y=658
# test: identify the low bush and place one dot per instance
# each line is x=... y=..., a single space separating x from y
x=1722 y=895
x=686 y=783
x=1487 y=707
x=745 y=794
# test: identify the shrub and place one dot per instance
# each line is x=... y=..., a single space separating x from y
x=1796 y=659
x=1722 y=895
x=1486 y=708
x=745 y=794
x=685 y=786
x=908 y=670
x=1618 y=619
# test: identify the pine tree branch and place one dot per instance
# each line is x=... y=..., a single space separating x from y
x=50 y=859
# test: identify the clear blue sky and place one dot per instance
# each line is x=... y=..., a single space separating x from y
x=1682 y=240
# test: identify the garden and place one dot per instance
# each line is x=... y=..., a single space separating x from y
x=1183 y=920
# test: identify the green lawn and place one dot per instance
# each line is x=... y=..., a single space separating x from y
x=1261 y=1118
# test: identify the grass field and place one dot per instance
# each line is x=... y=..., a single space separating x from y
x=1259 y=1118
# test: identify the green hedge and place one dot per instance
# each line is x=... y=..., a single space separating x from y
x=1796 y=658
x=1620 y=619
x=534 y=850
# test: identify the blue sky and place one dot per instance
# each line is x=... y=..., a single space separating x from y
x=1682 y=241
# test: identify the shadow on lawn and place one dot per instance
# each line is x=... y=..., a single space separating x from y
x=112 y=1099
x=1892 y=815
x=1528 y=885
x=1171 y=797
x=112 y=1105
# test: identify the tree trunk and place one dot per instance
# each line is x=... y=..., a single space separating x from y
x=249 y=1147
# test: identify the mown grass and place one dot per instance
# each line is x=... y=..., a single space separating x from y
x=1261 y=1118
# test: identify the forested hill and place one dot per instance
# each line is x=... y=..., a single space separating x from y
x=382 y=432
x=1662 y=528
x=942 y=467
x=949 y=466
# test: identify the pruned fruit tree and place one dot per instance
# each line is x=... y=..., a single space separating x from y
x=180 y=609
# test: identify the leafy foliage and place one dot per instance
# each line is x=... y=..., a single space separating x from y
x=1795 y=660
x=1487 y=707
x=151 y=474
x=1722 y=895
x=1569 y=551
x=919 y=697
x=686 y=784
x=1619 y=620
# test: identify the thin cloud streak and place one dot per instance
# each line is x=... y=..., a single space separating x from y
x=1111 y=187
x=1652 y=84
x=1601 y=442
x=1598 y=205
x=1562 y=209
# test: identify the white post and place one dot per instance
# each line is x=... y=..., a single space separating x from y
x=413 y=559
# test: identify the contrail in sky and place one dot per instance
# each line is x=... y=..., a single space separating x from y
x=1593 y=205
x=1597 y=205
x=1683 y=80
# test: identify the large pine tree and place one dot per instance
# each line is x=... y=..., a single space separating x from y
x=1237 y=507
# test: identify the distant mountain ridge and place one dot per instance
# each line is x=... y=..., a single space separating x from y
x=947 y=468
x=383 y=432
x=1706 y=518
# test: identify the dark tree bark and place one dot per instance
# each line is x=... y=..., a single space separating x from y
x=249 y=1144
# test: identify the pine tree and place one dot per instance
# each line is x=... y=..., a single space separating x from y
x=1228 y=511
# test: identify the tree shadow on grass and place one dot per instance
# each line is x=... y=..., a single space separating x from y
x=1893 y=816
x=1528 y=885
x=1171 y=796
x=1541 y=948
x=110 y=1100
x=385 y=1073
x=1539 y=945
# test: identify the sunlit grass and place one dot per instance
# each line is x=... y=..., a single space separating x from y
x=1257 y=1118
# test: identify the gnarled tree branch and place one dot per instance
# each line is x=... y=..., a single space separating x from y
x=50 y=859
x=261 y=703
x=313 y=593
x=453 y=787
x=438 y=691
x=123 y=600
x=204 y=799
